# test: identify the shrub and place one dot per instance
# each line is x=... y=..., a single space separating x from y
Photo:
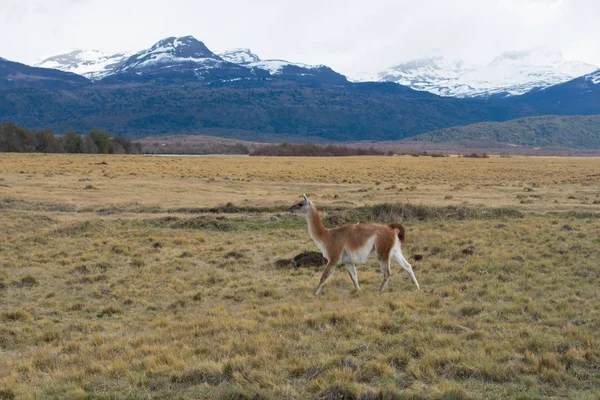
x=72 y=142
x=475 y=155
x=313 y=150
x=46 y=142
x=88 y=146
x=123 y=142
x=14 y=138
x=101 y=140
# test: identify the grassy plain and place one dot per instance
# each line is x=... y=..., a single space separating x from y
x=118 y=281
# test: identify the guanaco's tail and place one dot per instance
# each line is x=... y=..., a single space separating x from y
x=401 y=231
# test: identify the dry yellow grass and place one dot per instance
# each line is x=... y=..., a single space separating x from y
x=150 y=301
x=537 y=184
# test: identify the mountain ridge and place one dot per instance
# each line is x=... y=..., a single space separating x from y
x=363 y=111
x=541 y=131
x=178 y=85
x=91 y=63
x=14 y=75
x=182 y=59
x=509 y=74
x=577 y=96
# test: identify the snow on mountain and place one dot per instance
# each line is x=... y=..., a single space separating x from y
x=432 y=74
x=178 y=59
x=594 y=77
x=509 y=74
x=93 y=64
x=276 y=67
x=172 y=51
x=283 y=69
x=248 y=59
x=239 y=56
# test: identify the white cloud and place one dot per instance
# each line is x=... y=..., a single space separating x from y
x=354 y=37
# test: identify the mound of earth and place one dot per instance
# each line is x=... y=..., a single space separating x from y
x=306 y=259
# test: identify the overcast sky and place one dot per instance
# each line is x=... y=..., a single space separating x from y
x=358 y=38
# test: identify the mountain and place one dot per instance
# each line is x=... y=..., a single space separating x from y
x=93 y=64
x=546 y=131
x=14 y=75
x=577 y=96
x=182 y=59
x=279 y=108
x=281 y=69
x=509 y=74
x=185 y=59
x=179 y=86
x=239 y=56
x=432 y=74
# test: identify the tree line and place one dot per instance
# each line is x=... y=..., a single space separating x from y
x=312 y=150
x=14 y=138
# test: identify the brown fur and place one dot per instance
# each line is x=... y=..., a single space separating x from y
x=401 y=230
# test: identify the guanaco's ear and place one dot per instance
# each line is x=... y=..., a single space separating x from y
x=304 y=196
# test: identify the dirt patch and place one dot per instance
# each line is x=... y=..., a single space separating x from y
x=468 y=251
x=306 y=259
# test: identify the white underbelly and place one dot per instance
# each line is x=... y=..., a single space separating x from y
x=360 y=255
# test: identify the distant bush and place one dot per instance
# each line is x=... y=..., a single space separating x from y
x=72 y=142
x=45 y=142
x=424 y=153
x=16 y=139
x=101 y=140
x=475 y=155
x=313 y=150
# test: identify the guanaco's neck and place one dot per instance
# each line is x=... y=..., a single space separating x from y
x=316 y=229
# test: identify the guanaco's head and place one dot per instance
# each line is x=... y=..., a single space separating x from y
x=302 y=207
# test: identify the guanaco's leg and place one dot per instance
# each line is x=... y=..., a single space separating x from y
x=329 y=269
x=384 y=265
x=352 y=272
x=399 y=258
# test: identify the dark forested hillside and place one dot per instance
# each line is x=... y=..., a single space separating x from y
x=367 y=111
x=14 y=75
x=580 y=96
x=547 y=131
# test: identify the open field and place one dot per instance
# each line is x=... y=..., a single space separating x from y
x=130 y=277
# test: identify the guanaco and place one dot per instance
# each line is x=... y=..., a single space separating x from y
x=352 y=244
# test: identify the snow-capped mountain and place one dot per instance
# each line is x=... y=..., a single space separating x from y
x=282 y=68
x=176 y=60
x=93 y=64
x=179 y=59
x=509 y=74
x=432 y=74
x=239 y=56
x=172 y=50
